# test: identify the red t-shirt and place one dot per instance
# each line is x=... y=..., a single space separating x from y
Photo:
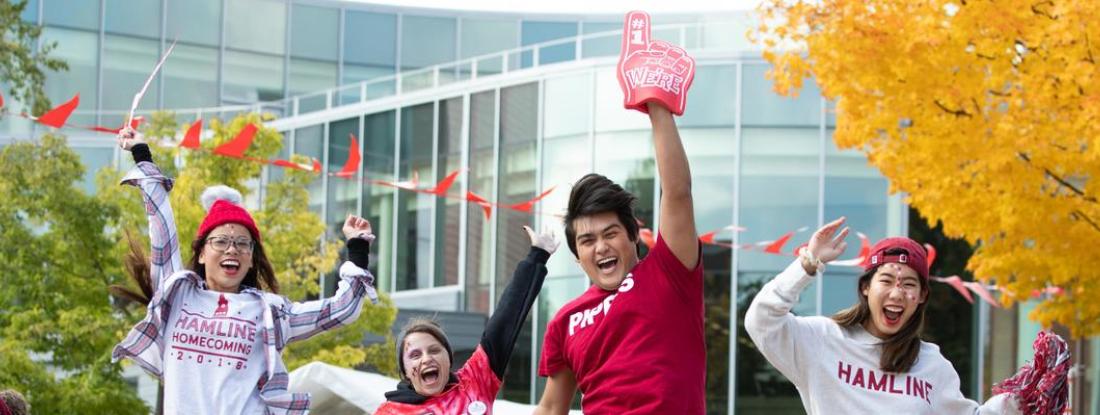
x=474 y=394
x=637 y=350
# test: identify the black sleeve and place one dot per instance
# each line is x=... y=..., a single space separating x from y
x=359 y=252
x=504 y=326
x=141 y=153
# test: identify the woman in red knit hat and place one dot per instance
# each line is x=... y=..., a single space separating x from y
x=869 y=358
x=214 y=332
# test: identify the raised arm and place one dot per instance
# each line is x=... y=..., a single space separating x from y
x=779 y=335
x=677 y=208
x=163 y=239
x=309 y=318
x=499 y=339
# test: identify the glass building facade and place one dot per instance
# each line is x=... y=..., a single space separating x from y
x=517 y=104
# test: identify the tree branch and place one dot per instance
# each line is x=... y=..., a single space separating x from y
x=1061 y=181
x=957 y=113
x=1077 y=214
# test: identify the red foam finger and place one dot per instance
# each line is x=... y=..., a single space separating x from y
x=635 y=33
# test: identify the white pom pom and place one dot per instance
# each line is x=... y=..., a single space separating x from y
x=219 y=192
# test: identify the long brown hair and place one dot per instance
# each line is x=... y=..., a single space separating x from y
x=900 y=351
x=136 y=264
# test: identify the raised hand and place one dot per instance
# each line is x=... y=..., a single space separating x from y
x=652 y=70
x=357 y=227
x=825 y=244
x=545 y=240
x=128 y=138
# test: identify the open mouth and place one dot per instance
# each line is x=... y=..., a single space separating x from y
x=607 y=265
x=230 y=266
x=429 y=375
x=892 y=314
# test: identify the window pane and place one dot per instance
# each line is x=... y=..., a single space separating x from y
x=311 y=77
x=196 y=21
x=252 y=77
x=191 y=81
x=378 y=147
x=538 y=32
x=626 y=157
x=30 y=12
x=310 y=142
x=612 y=116
x=482 y=169
x=778 y=195
x=602 y=45
x=568 y=105
x=763 y=107
x=378 y=89
x=78 y=49
x=133 y=17
x=242 y=19
x=426 y=41
x=448 y=209
x=711 y=97
x=518 y=123
x=72 y=14
x=127 y=61
x=484 y=36
x=370 y=39
x=414 y=221
x=313 y=32
x=343 y=192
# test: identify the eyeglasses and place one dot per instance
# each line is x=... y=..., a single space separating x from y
x=221 y=244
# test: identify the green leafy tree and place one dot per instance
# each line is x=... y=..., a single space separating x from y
x=56 y=262
x=22 y=63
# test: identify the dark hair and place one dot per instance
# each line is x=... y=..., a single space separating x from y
x=594 y=194
x=900 y=351
x=261 y=276
x=15 y=402
x=421 y=325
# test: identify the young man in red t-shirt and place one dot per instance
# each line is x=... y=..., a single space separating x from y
x=633 y=342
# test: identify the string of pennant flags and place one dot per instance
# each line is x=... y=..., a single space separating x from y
x=57 y=117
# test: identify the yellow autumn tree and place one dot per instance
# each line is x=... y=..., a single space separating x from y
x=987 y=114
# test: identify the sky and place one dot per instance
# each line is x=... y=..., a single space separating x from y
x=577 y=6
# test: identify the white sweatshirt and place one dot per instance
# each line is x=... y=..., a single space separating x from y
x=836 y=369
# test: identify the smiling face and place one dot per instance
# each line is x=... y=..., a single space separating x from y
x=225 y=269
x=893 y=296
x=604 y=249
x=427 y=363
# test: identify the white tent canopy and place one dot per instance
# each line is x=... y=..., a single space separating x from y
x=337 y=390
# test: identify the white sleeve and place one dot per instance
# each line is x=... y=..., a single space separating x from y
x=951 y=400
x=781 y=336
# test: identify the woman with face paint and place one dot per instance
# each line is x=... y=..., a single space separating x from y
x=868 y=358
x=425 y=359
x=214 y=332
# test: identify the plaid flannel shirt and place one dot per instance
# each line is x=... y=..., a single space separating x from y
x=284 y=321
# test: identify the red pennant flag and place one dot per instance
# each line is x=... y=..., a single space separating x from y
x=57 y=117
x=239 y=144
x=191 y=139
x=708 y=238
x=777 y=246
x=528 y=205
x=440 y=188
x=316 y=166
x=352 y=165
x=1 y=100
x=983 y=293
x=931 y=254
x=647 y=238
x=485 y=205
x=957 y=283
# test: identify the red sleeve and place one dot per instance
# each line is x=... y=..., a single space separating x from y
x=478 y=375
x=553 y=358
x=687 y=282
